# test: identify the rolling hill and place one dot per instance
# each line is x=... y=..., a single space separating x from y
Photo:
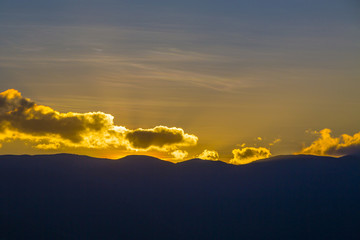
x=68 y=196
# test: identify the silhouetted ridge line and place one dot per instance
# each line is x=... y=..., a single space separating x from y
x=139 y=197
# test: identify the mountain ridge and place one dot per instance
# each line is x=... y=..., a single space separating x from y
x=194 y=160
x=78 y=197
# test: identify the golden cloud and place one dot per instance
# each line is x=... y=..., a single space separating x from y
x=179 y=154
x=275 y=142
x=326 y=145
x=249 y=154
x=209 y=155
x=23 y=119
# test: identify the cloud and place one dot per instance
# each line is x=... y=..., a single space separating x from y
x=209 y=155
x=326 y=145
x=159 y=137
x=249 y=154
x=275 y=142
x=179 y=154
x=45 y=128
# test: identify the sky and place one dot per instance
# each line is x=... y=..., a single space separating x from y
x=229 y=80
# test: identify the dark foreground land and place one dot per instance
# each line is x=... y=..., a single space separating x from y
x=76 y=197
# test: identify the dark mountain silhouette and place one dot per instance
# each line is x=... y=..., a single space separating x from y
x=138 y=197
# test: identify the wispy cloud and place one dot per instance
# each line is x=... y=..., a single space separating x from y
x=121 y=52
x=277 y=140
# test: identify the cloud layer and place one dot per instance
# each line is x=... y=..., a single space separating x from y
x=326 y=145
x=45 y=128
x=249 y=154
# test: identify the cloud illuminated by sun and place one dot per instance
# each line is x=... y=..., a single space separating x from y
x=46 y=128
x=326 y=145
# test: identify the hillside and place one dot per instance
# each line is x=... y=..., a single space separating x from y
x=138 y=197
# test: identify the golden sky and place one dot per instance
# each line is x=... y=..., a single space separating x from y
x=235 y=81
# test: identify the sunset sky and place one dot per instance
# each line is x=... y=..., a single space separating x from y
x=229 y=80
